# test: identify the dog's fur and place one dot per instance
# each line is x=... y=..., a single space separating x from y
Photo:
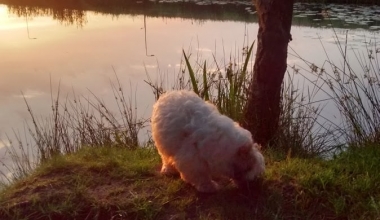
x=194 y=139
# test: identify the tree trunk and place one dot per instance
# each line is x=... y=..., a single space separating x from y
x=263 y=107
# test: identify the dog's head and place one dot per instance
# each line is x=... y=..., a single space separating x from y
x=248 y=163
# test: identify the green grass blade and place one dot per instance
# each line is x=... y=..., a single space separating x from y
x=191 y=74
x=232 y=98
x=205 y=83
x=244 y=70
x=248 y=57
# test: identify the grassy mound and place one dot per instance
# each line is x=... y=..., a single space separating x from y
x=117 y=183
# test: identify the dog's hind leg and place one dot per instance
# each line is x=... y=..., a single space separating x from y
x=196 y=173
x=168 y=168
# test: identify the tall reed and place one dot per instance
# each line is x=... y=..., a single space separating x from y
x=305 y=129
x=226 y=86
x=355 y=92
x=72 y=124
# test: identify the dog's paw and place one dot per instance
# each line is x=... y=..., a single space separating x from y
x=169 y=170
x=208 y=187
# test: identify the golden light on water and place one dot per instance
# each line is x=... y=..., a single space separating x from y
x=8 y=22
x=3 y=10
x=4 y=19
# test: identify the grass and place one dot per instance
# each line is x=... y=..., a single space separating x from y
x=120 y=183
x=227 y=89
x=89 y=183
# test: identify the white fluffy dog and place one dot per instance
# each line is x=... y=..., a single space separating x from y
x=194 y=139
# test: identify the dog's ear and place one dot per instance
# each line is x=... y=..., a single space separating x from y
x=257 y=146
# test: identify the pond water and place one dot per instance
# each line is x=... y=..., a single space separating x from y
x=80 y=51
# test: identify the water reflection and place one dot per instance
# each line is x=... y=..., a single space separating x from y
x=64 y=16
x=305 y=14
x=74 y=13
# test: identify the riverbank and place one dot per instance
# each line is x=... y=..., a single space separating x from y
x=119 y=183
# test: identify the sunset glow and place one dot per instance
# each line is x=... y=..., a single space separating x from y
x=12 y=22
x=7 y=21
x=3 y=10
x=4 y=18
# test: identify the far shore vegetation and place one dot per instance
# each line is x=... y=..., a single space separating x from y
x=74 y=12
x=89 y=163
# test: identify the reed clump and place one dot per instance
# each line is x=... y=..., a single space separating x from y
x=353 y=87
x=351 y=90
x=74 y=123
x=226 y=85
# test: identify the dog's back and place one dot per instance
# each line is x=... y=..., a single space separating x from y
x=176 y=115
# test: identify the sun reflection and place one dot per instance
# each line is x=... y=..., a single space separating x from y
x=3 y=10
x=10 y=21
x=6 y=21
x=3 y=15
x=29 y=94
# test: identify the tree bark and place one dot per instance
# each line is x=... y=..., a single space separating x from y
x=263 y=106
